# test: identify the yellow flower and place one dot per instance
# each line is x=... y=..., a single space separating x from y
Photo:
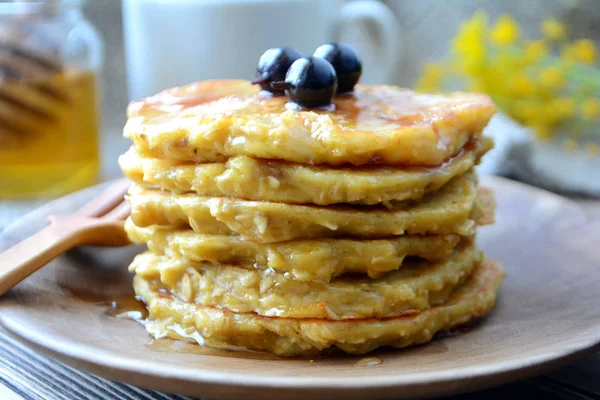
x=552 y=77
x=431 y=79
x=469 y=45
x=553 y=30
x=535 y=50
x=542 y=131
x=590 y=108
x=584 y=51
x=522 y=85
x=505 y=63
x=592 y=148
x=566 y=53
x=570 y=145
x=562 y=108
x=524 y=77
x=476 y=85
x=505 y=31
x=527 y=111
x=493 y=81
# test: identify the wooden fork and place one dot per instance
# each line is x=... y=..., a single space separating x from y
x=98 y=223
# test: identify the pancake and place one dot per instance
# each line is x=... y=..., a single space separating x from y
x=452 y=209
x=316 y=259
x=212 y=121
x=247 y=178
x=417 y=286
x=222 y=328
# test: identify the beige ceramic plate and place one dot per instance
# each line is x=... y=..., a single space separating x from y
x=547 y=314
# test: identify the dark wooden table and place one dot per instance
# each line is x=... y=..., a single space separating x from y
x=580 y=380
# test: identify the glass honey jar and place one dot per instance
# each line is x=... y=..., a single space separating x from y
x=50 y=56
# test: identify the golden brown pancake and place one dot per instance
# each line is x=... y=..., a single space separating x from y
x=219 y=327
x=253 y=179
x=212 y=121
x=295 y=231
x=452 y=209
x=417 y=286
x=309 y=259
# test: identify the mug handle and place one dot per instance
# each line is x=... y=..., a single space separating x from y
x=388 y=27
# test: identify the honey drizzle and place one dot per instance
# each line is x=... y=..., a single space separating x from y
x=368 y=362
x=124 y=306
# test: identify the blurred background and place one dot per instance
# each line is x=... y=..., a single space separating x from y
x=537 y=59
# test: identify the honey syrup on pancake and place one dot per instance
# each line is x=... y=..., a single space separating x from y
x=214 y=120
x=376 y=108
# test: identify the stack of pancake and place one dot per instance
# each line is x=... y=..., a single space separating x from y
x=296 y=231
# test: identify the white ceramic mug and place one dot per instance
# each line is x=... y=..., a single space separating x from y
x=171 y=43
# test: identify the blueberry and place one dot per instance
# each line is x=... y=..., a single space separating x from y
x=273 y=65
x=310 y=82
x=345 y=61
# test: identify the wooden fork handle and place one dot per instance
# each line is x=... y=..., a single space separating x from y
x=26 y=257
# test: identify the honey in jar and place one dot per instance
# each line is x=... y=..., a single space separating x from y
x=52 y=148
x=49 y=57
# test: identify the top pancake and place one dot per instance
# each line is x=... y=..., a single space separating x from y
x=211 y=121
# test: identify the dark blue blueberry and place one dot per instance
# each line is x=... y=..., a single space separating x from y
x=310 y=82
x=273 y=65
x=345 y=61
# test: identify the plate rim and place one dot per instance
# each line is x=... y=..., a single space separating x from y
x=117 y=363
x=76 y=354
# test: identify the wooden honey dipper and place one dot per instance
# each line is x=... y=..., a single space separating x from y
x=33 y=93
